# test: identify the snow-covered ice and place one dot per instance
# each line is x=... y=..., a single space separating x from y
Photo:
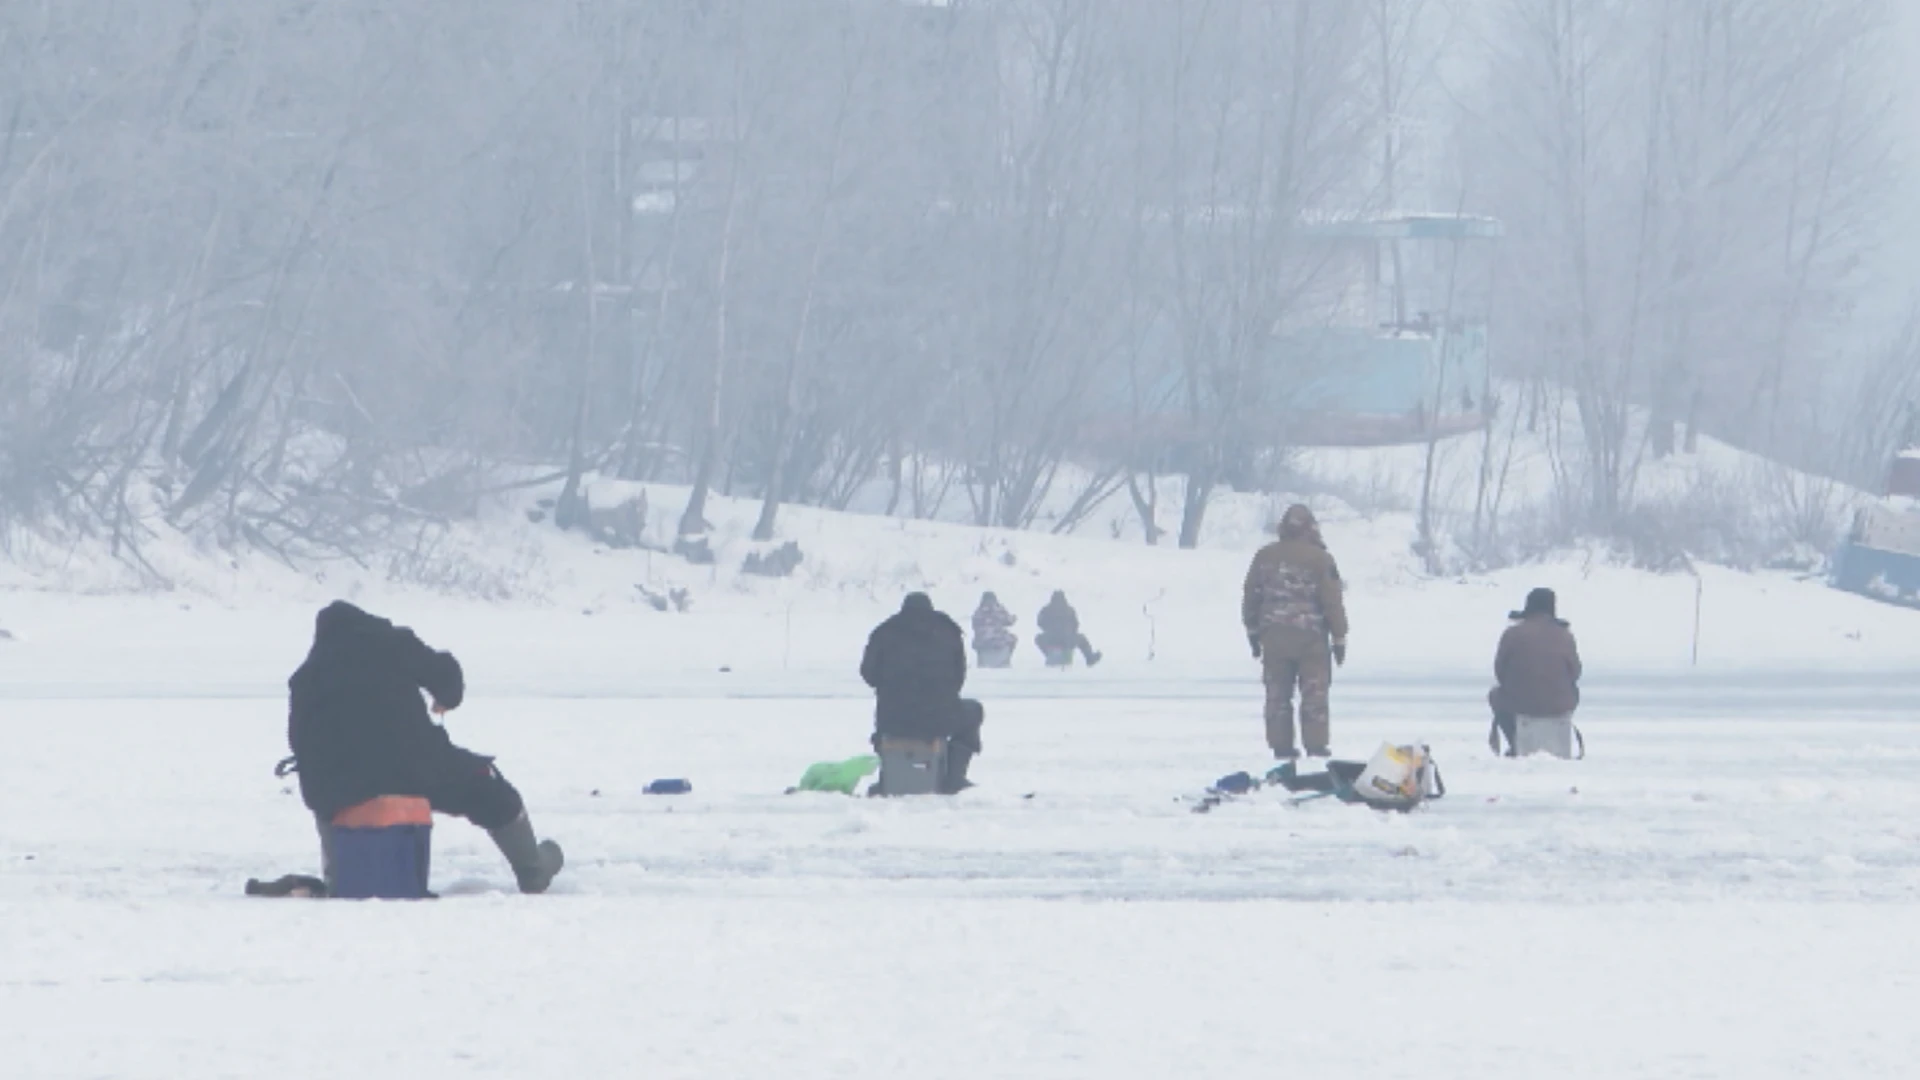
x=1727 y=887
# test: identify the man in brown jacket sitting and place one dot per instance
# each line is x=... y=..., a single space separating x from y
x=1537 y=669
x=1291 y=605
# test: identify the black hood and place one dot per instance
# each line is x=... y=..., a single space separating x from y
x=341 y=629
x=340 y=620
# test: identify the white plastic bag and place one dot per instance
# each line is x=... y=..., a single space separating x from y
x=1397 y=776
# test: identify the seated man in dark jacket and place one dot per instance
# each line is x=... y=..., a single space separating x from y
x=1060 y=630
x=1537 y=669
x=359 y=730
x=916 y=662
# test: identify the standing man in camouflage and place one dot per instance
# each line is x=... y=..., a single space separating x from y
x=1291 y=607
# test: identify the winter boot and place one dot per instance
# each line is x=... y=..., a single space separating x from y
x=1087 y=652
x=1508 y=725
x=954 y=781
x=534 y=862
x=1288 y=754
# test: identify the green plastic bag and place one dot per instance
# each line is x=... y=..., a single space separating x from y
x=840 y=776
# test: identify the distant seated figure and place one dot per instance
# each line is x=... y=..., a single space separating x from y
x=1537 y=671
x=1060 y=634
x=993 y=637
x=359 y=730
x=916 y=662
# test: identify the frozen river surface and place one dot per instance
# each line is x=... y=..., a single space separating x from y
x=1728 y=886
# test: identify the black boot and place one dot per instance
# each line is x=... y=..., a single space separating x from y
x=955 y=780
x=1087 y=652
x=534 y=862
x=1504 y=723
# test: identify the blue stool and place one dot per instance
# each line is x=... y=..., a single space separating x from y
x=381 y=849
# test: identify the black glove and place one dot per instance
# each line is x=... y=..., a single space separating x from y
x=1253 y=642
x=1340 y=653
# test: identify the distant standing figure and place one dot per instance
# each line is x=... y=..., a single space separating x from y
x=1537 y=671
x=993 y=636
x=1291 y=605
x=1060 y=633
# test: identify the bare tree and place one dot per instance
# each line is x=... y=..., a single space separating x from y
x=1245 y=123
x=317 y=277
x=848 y=64
x=1690 y=187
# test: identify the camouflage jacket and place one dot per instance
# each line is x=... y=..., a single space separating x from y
x=1294 y=583
x=993 y=627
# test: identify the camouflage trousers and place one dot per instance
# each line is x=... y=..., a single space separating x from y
x=1289 y=661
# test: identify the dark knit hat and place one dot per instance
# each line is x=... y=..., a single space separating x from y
x=1539 y=602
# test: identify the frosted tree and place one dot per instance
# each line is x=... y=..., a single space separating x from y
x=1242 y=119
x=1688 y=189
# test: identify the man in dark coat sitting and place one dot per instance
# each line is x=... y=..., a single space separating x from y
x=916 y=662
x=1537 y=669
x=1060 y=631
x=359 y=730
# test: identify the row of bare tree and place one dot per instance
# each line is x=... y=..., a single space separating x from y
x=295 y=274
